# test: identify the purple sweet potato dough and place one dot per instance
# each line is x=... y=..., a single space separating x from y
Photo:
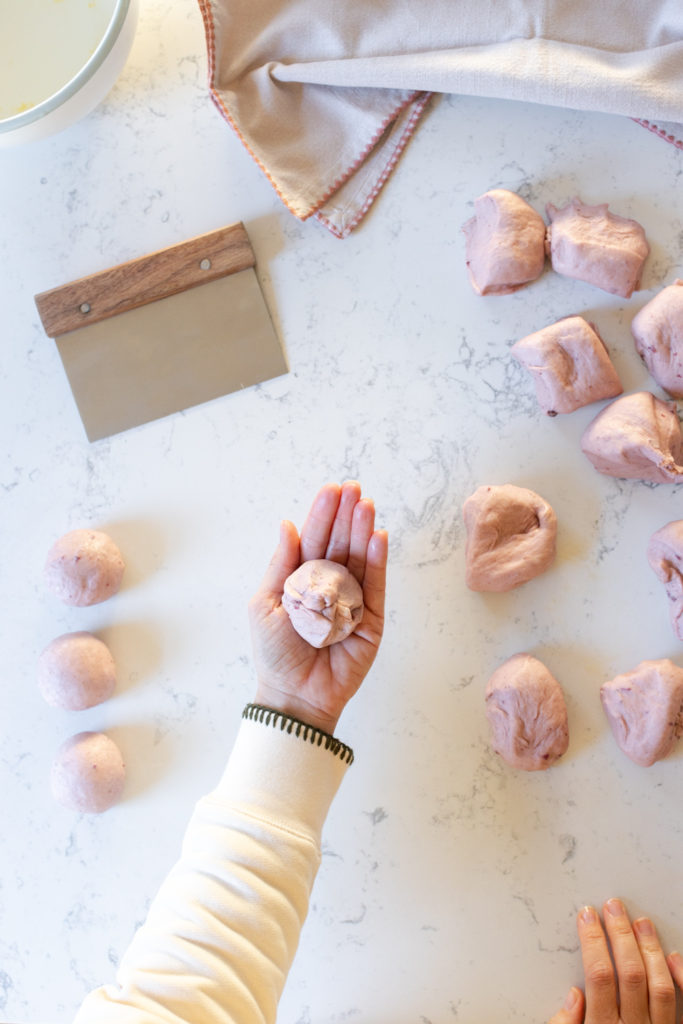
x=84 y=567
x=76 y=671
x=665 y=555
x=88 y=773
x=527 y=714
x=645 y=710
x=658 y=334
x=569 y=364
x=324 y=601
x=505 y=243
x=636 y=437
x=511 y=537
x=591 y=244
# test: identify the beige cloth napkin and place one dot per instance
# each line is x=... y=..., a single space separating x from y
x=326 y=93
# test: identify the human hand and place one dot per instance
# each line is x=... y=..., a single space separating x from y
x=642 y=991
x=313 y=684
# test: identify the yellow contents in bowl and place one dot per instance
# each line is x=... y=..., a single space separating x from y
x=43 y=45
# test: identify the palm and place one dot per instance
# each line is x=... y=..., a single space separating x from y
x=311 y=683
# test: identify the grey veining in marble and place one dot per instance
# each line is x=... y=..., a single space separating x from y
x=449 y=883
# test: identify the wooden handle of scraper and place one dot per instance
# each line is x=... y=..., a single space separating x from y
x=144 y=280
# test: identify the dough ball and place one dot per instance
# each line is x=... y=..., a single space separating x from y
x=324 y=601
x=511 y=537
x=569 y=365
x=591 y=244
x=88 y=773
x=504 y=243
x=645 y=710
x=527 y=714
x=84 y=567
x=665 y=555
x=76 y=671
x=636 y=437
x=658 y=334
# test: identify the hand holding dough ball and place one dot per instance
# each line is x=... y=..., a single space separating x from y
x=637 y=437
x=76 y=671
x=569 y=365
x=591 y=244
x=645 y=710
x=527 y=714
x=324 y=601
x=84 y=567
x=88 y=773
x=511 y=537
x=665 y=555
x=505 y=243
x=658 y=334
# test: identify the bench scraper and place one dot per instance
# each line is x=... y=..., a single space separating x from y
x=163 y=332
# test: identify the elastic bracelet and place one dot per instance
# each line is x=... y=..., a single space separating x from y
x=304 y=731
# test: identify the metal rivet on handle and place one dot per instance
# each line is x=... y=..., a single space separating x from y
x=84 y=307
x=205 y=264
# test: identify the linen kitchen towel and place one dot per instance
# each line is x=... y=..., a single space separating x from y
x=325 y=94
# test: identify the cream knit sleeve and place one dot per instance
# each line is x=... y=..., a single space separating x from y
x=223 y=929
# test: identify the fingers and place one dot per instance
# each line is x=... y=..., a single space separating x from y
x=375 y=580
x=362 y=528
x=573 y=1010
x=633 y=979
x=315 y=533
x=340 y=535
x=674 y=962
x=660 y=985
x=601 y=989
x=283 y=563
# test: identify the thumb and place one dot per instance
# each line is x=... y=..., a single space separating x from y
x=573 y=1010
x=283 y=563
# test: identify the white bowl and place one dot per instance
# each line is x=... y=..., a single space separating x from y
x=58 y=60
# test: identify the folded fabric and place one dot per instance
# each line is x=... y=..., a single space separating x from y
x=326 y=95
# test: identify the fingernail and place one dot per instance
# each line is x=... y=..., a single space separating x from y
x=589 y=915
x=676 y=958
x=644 y=926
x=572 y=999
x=615 y=908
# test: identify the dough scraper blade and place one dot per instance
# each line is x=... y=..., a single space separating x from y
x=164 y=332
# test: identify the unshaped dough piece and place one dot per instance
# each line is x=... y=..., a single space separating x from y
x=658 y=333
x=76 y=671
x=637 y=437
x=591 y=244
x=645 y=710
x=84 y=567
x=511 y=537
x=569 y=365
x=505 y=243
x=527 y=714
x=88 y=773
x=324 y=601
x=665 y=555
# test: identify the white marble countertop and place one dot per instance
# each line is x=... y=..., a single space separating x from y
x=449 y=883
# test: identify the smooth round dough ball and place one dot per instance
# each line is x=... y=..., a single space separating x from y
x=84 y=567
x=88 y=773
x=76 y=671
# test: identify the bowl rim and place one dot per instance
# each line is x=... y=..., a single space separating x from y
x=72 y=86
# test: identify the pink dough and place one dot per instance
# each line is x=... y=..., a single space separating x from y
x=665 y=555
x=527 y=714
x=76 y=671
x=511 y=535
x=593 y=245
x=636 y=437
x=569 y=365
x=88 y=773
x=645 y=710
x=324 y=601
x=505 y=243
x=84 y=567
x=658 y=333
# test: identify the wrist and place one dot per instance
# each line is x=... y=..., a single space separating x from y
x=296 y=707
